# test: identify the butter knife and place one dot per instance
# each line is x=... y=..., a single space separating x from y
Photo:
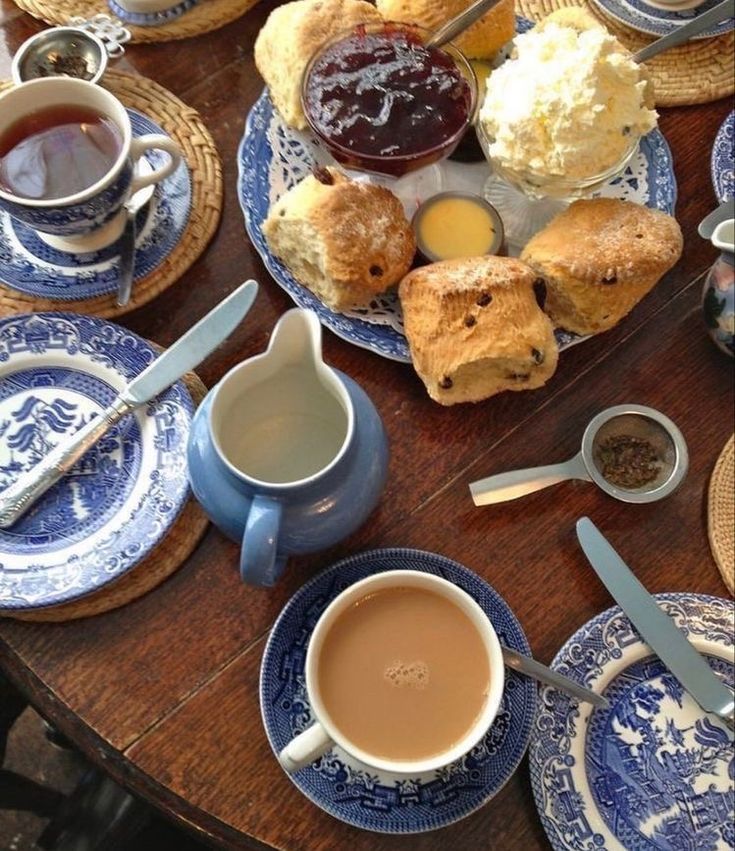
x=720 y=12
x=127 y=258
x=531 y=668
x=655 y=626
x=188 y=351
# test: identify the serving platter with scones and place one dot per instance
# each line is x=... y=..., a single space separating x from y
x=339 y=241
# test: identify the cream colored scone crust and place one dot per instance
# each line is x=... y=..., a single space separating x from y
x=291 y=36
x=481 y=41
x=475 y=329
x=599 y=258
x=347 y=241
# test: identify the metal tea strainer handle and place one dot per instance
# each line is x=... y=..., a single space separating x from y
x=517 y=483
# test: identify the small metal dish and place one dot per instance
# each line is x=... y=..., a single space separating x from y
x=633 y=421
x=60 y=52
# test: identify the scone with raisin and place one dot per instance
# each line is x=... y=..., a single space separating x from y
x=474 y=328
x=599 y=258
x=346 y=240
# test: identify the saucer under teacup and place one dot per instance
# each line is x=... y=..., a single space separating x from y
x=661 y=18
x=68 y=271
x=377 y=800
x=143 y=13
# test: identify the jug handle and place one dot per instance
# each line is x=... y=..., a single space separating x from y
x=260 y=563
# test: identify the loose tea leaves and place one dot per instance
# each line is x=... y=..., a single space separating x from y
x=628 y=461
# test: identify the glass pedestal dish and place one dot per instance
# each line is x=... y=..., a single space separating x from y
x=527 y=201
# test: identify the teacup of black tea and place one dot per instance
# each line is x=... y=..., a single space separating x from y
x=68 y=161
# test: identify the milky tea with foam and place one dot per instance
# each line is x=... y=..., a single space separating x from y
x=403 y=673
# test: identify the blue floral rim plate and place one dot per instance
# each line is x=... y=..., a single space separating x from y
x=29 y=265
x=654 y=20
x=653 y=770
x=723 y=160
x=151 y=19
x=58 y=371
x=349 y=790
x=272 y=158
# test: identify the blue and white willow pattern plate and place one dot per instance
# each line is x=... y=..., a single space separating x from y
x=349 y=790
x=723 y=160
x=645 y=18
x=272 y=158
x=29 y=265
x=653 y=771
x=57 y=371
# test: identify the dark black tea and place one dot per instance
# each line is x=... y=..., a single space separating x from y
x=57 y=151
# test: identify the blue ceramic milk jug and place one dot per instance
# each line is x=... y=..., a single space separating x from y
x=286 y=454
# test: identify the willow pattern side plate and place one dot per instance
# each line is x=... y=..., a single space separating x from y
x=29 y=265
x=57 y=371
x=653 y=770
x=351 y=791
x=272 y=158
x=723 y=160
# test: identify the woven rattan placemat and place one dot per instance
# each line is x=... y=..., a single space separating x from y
x=186 y=128
x=698 y=72
x=721 y=514
x=170 y=553
x=206 y=16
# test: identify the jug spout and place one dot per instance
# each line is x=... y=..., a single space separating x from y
x=297 y=339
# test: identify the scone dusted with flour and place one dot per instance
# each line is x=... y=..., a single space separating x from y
x=292 y=35
x=474 y=328
x=599 y=258
x=347 y=241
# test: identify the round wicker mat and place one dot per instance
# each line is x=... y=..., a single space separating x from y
x=170 y=553
x=206 y=16
x=186 y=128
x=721 y=514
x=698 y=72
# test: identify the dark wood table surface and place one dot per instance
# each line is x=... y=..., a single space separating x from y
x=163 y=693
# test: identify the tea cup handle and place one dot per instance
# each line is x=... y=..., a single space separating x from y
x=151 y=141
x=305 y=748
x=260 y=563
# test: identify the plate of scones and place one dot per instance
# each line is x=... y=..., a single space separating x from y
x=342 y=244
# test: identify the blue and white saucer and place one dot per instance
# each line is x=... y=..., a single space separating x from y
x=57 y=371
x=29 y=265
x=151 y=19
x=723 y=160
x=658 y=20
x=272 y=158
x=347 y=789
x=653 y=770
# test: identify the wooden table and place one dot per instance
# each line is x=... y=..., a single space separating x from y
x=164 y=692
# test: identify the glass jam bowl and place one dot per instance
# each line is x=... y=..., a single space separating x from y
x=380 y=101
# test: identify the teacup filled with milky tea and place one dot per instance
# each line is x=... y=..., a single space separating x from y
x=403 y=671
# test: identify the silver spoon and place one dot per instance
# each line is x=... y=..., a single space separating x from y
x=460 y=22
x=531 y=668
x=635 y=420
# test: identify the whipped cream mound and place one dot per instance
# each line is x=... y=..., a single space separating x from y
x=568 y=105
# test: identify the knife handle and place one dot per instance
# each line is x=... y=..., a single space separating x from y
x=16 y=499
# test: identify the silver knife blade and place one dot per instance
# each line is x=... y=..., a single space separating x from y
x=720 y=12
x=191 y=349
x=655 y=626
x=531 y=668
x=725 y=211
x=185 y=354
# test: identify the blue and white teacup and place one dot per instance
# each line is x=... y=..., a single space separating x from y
x=94 y=217
x=150 y=13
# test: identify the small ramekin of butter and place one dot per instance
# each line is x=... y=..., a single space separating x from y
x=457 y=224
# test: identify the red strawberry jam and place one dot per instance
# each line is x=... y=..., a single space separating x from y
x=382 y=101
